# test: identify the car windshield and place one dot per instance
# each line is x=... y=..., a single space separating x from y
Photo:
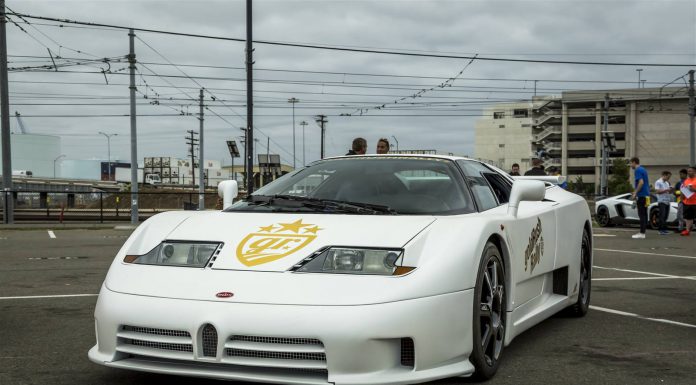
x=367 y=185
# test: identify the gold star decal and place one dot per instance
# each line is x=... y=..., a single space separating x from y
x=268 y=228
x=294 y=226
x=312 y=230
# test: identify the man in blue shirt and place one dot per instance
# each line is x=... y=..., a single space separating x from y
x=641 y=194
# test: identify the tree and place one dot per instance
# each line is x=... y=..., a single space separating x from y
x=620 y=180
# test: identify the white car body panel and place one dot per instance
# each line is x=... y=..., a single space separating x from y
x=360 y=320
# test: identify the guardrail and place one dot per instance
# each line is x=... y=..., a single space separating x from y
x=100 y=206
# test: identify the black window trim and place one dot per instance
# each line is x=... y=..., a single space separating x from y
x=468 y=183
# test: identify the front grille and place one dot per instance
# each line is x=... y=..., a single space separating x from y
x=408 y=353
x=210 y=340
x=159 y=332
x=161 y=345
x=278 y=340
x=275 y=355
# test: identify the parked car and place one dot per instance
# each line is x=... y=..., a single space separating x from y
x=621 y=209
x=394 y=269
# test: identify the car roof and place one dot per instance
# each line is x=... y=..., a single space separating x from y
x=434 y=156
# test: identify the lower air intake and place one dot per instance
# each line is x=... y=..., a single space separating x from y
x=210 y=340
x=408 y=352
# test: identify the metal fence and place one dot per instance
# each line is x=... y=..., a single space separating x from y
x=98 y=207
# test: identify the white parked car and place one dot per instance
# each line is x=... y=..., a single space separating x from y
x=621 y=209
x=392 y=270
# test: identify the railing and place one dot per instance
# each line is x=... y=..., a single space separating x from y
x=99 y=207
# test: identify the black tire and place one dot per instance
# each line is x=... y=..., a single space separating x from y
x=602 y=216
x=489 y=314
x=654 y=219
x=579 y=308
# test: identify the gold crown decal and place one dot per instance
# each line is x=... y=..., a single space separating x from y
x=276 y=241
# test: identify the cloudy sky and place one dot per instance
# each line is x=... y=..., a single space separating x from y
x=76 y=102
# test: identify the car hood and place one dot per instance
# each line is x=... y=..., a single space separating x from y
x=275 y=242
x=254 y=261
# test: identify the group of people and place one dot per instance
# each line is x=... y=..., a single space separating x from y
x=359 y=146
x=538 y=170
x=684 y=191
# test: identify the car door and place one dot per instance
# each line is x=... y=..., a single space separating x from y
x=531 y=235
x=626 y=208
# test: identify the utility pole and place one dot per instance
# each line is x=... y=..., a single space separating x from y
x=321 y=121
x=8 y=196
x=108 y=150
x=133 y=131
x=303 y=124
x=268 y=157
x=692 y=113
x=201 y=176
x=639 y=70
x=192 y=141
x=250 y=101
x=293 y=101
x=603 y=176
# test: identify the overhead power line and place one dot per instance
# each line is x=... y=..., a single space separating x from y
x=357 y=50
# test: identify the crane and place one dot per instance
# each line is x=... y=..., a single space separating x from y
x=20 y=123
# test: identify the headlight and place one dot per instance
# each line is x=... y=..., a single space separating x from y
x=188 y=254
x=347 y=260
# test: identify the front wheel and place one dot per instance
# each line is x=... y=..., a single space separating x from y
x=489 y=314
x=579 y=309
x=602 y=217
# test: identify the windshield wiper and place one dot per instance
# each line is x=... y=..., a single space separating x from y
x=323 y=204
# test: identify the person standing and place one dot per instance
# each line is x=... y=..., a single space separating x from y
x=537 y=168
x=680 y=204
x=359 y=147
x=515 y=170
x=664 y=198
x=688 y=190
x=383 y=146
x=641 y=194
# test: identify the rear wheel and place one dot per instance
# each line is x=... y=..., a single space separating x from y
x=489 y=314
x=602 y=217
x=579 y=309
x=654 y=219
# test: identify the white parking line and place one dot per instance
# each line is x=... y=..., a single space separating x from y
x=50 y=296
x=644 y=272
x=627 y=314
x=51 y=234
x=603 y=235
x=645 y=253
x=639 y=278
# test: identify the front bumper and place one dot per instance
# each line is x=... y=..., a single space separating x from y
x=358 y=344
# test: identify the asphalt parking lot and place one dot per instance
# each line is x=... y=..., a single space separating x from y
x=640 y=330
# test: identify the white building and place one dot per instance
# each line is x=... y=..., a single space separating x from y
x=35 y=153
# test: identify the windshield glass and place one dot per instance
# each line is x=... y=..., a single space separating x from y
x=367 y=185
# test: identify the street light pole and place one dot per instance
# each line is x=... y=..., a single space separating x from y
x=54 y=164
x=108 y=150
x=397 y=142
x=293 y=101
x=303 y=124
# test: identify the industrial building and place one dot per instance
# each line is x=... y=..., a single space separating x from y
x=650 y=123
x=36 y=153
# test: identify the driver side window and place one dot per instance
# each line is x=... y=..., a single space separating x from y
x=476 y=176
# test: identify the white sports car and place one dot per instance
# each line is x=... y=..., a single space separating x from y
x=621 y=209
x=383 y=270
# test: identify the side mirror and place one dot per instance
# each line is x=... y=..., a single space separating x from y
x=227 y=190
x=525 y=190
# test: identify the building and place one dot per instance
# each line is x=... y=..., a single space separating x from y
x=650 y=123
x=36 y=153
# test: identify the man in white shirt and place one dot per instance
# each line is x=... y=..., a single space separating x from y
x=664 y=196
